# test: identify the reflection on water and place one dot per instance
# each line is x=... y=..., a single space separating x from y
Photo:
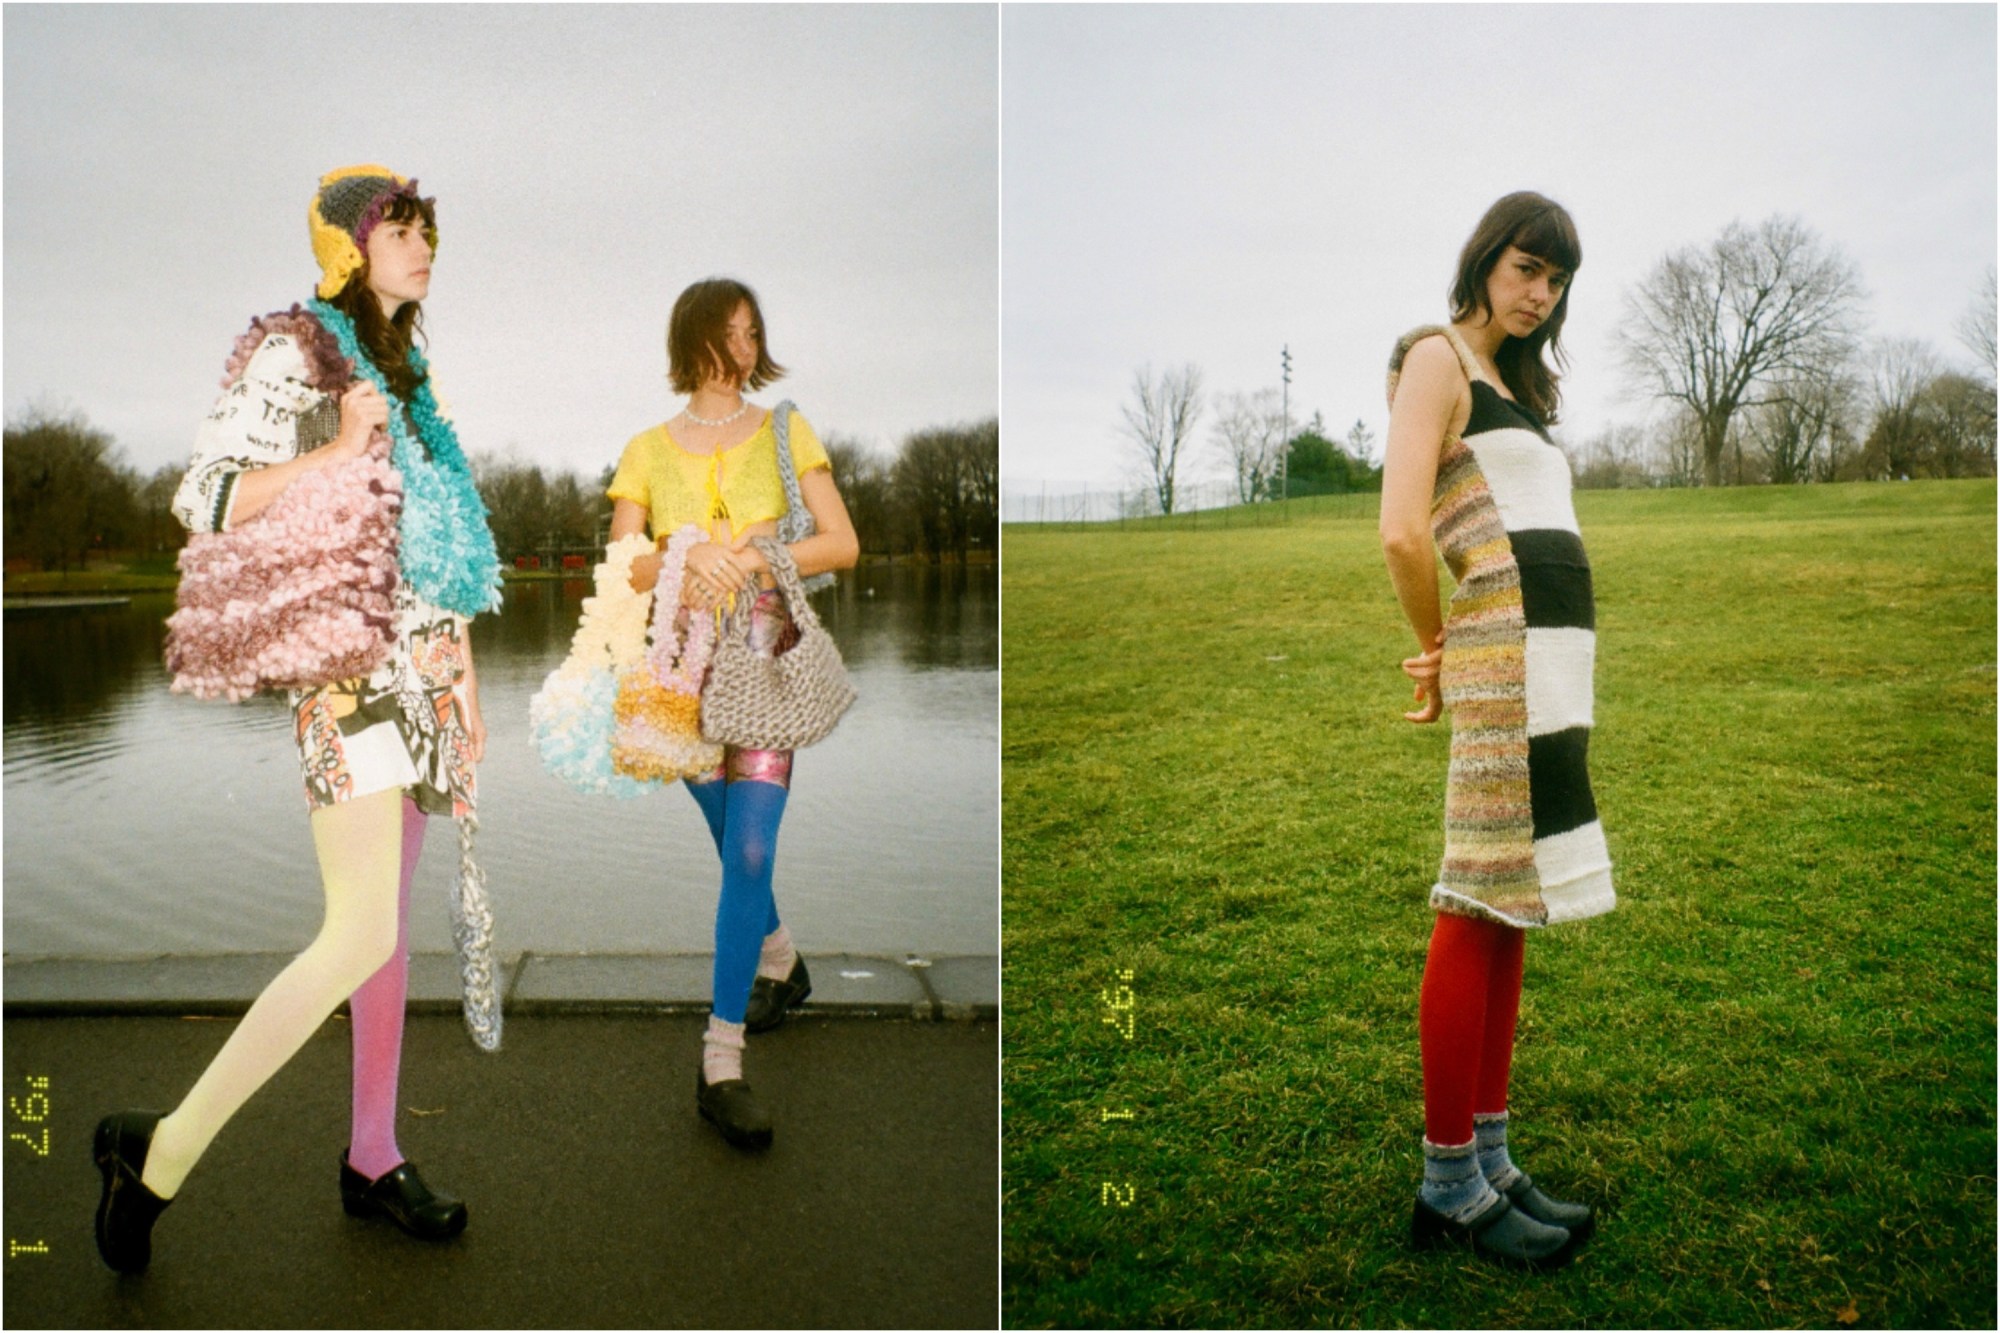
x=141 y=821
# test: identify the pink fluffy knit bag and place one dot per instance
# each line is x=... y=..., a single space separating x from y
x=302 y=594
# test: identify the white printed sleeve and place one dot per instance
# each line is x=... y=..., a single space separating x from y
x=268 y=416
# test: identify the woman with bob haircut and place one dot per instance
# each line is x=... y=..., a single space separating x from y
x=1470 y=469
x=328 y=470
x=716 y=464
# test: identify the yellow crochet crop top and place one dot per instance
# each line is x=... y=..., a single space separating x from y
x=740 y=484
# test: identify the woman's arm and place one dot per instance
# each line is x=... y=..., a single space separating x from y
x=628 y=519
x=1429 y=399
x=363 y=410
x=475 y=722
x=834 y=545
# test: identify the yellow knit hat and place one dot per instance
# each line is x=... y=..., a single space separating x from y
x=348 y=204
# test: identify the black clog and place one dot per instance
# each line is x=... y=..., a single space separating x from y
x=1499 y=1232
x=732 y=1108
x=770 y=999
x=126 y=1210
x=403 y=1198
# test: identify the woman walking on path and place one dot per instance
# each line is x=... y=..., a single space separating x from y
x=1470 y=466
x=718 y=464
x=328 y=418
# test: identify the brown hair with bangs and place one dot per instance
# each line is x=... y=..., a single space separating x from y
x=387 y=339
x=1543 y=228
x=697 y=336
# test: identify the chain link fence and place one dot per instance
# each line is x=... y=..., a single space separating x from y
x=1197 y=505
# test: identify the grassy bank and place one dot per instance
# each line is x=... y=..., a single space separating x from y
x=1772 y=1068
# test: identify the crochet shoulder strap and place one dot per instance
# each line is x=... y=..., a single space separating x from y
x=1418 y=334
x=326 y=369
x=796 y=524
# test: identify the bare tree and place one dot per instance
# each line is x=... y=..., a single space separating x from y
x=1955 y=416
x=1160 y=420
x=1717 y=328
x=1249 y=431
x=982 y=482
x=1975 y=328
x=1800 y=432
x=866 y=488
x=67 y=489
x=1676 y=449
x=1900 y=370
x=1614 y=457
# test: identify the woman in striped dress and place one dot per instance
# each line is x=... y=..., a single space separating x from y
x=1470 y=466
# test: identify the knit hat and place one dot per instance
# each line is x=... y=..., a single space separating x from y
x=349 y=203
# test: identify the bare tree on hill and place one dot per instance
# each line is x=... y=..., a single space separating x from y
x=1249 y=433
x=1975 y=328
x=1160 y=420
x=1736 y=323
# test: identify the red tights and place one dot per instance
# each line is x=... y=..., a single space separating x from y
x=1471 y=997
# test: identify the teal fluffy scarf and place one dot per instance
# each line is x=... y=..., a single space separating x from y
x=445 y=548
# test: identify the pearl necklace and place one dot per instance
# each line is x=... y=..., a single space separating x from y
x=688 y=412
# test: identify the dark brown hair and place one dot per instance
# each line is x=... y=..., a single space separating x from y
x=1541 y=227
x=697 y=335
x=387 y=340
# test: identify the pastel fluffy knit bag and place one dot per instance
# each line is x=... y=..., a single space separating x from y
x=784 y=701
x=658 y=736
x=303 y=593
x=572 y=716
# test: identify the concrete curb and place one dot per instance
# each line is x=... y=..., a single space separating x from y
x=958 y=989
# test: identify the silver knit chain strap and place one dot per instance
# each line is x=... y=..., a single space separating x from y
x=797 y=522
x=472 y=932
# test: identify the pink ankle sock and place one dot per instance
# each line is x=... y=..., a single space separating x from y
x=722 y=1051
x=377 y=1011
x=776 y=959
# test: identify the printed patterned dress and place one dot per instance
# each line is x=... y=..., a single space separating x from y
x=403 y=725
x=1523 y=845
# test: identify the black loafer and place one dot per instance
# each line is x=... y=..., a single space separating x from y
x=1499 y=1232
x=1575 y=1218
x=732 y=1108
x=403 y=1198
x=126 y=1210
x=770 y=999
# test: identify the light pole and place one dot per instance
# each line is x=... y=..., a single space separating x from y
x=1285 y=425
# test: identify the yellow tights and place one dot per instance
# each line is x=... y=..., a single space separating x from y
x=360 y=862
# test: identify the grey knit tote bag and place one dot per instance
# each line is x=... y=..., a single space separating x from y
x=783 y=702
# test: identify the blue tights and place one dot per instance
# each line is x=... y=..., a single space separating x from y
x=743 y=818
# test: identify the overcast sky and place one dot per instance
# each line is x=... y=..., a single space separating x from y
x=589 y=163
x=1208 y=183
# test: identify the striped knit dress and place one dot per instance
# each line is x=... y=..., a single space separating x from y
x=1522 y=842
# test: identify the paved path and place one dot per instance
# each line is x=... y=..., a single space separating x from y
x=597 y=1196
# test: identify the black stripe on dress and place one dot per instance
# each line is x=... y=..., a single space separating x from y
x=1559 y=781
x=1493 y=410
x=1555 y=579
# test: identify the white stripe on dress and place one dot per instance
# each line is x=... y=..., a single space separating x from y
x=1528 y=476
x=1559 y=663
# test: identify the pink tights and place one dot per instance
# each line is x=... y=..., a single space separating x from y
x=377 y=1010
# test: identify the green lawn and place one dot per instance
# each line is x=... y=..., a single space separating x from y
x=1772 y=1068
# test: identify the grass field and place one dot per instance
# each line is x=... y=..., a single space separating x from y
x=1772 y=1068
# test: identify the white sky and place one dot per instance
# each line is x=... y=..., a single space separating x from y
x=589 y=163
x=1206 y=183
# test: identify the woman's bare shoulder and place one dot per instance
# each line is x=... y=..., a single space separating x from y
x=1428 y=370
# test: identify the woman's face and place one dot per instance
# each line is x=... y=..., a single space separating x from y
x=742 y=339
x=399 y=263
x=1522 y=291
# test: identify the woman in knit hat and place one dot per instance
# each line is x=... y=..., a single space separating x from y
x=735 y=471
x=339 y=552
x=1470 y=467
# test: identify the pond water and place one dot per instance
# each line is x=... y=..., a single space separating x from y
x=138 y=821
